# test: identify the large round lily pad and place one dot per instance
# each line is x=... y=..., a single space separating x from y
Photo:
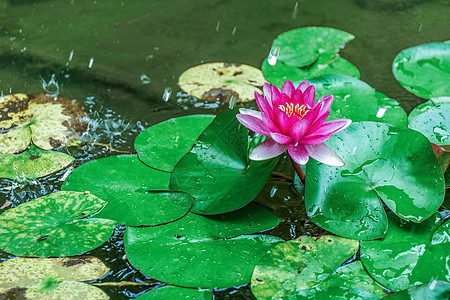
x=128 y=185
x=383 y=164
x=222 y=81
x=358 y=101
x=203 y=251
x=409 y=254
x=217 y=171
x=58 y=224
x=424 y=70
x=163 y=145
x=48 y=122
x=176 y=292
x=33 y=163
x=432 y=119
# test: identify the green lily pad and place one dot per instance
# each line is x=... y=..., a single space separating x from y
x=409 y=254
x=358 y=101
x=302 y=47
x=203 y=251
x=163 y=145
x=33 y=163
x=127 y=184
x=280 y=72
x=221 y=81
x=58 y=224
x=21 y=272
x=432 y=119
x=304 y=268
x=217 y=171
x=424 y=70
x=48 y=122
x=436 y=290
x=383 y=164
x=176 y=292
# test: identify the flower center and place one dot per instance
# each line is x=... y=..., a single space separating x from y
x=297 y=110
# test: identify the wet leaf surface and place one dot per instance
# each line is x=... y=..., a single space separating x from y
x=129 y=187
x=424 y=70
x=409 y=254
x=358 y=101
x=203 y=251
x=222 y=81
x=383 y=164
x=436 y=290
x=219 y=158
x=163 y=145
x=46 y=121
x=176 y=292
x=58 y=224
x=33 y=163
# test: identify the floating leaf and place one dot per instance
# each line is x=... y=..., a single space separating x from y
x=33 y=163
x=305 y=53
x=163 y=145
x=54 y=225
x=383 y=164
x=219 y=158
x=222 y=81
x=176 y=292
x=127 y=184
x=424 y=70
x=358 y=101
x=409 y=253
x=48 y=122
x=432 y=119
x=203 y=251
x=305 y=268
x=436 y=290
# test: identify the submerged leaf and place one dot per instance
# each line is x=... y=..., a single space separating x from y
x=176 y=292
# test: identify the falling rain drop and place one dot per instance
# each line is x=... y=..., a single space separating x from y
x=232 y=102
x=380 y=112
x=167 y=94
x=145 y=79
x=273 y=56
x=51 y=87
x=91 y=62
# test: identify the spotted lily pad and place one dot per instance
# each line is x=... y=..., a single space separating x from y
x=383 y=164
x=203 y=251
x=48 y=122
x=222 y=81
x=358 y=101
x=309 y=267
x=424 y=70
x=128 y=185
x=33 y=163
x=436 y=290
x=409 y=254
x=59 y=224
x=176 y=292
x=163 y=145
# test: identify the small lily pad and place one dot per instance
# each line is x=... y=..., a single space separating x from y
x=222 y=81
x=409 y=254
x=176 y=292
x=163 y=145
x=128 y=185
x=58 y=224
x=203 y=251
x=48 y=122
x=33 y=163
x=358 y=101
x=436 y=290
x=424 y=70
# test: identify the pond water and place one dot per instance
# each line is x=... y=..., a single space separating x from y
x=118 y=58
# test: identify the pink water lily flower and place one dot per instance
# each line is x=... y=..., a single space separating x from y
x=294 y=122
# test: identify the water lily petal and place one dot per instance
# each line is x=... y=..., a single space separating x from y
x=267 y=149
x=262 y=103
x=324 y=154
x=299 y=129
x=267 y=92
x=276 y=97
x=325 y=105
x=281 y=138
x=297 y=97
x=309 y=96
x=298 y=153
x=333 y=126
x=253 y=123
x=284 y=123
x=288 y=88
x=269 y=119
x=303 y=85
x=250 y=112
x=315 y=139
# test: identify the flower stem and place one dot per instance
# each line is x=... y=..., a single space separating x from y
x=299 y=171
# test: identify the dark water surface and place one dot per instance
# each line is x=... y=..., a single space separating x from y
x=118 y=57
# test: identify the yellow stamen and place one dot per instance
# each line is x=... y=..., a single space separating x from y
x=298 y=110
